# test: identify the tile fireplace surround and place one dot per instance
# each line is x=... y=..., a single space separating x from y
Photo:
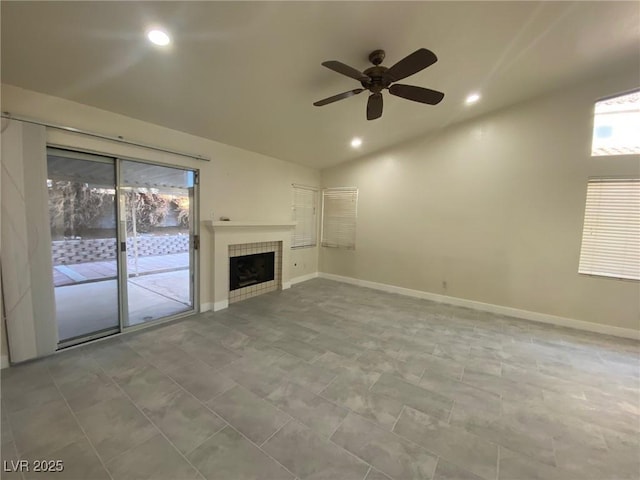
x=263 y=287
x=226 y=234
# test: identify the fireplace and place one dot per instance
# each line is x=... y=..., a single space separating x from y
x=250 y=270
x=254 y=269
x=239 y=238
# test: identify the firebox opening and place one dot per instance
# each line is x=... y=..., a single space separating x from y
x=251 y=269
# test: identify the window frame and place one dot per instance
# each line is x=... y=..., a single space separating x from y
x=588 y=262
x=346 y=223
x=603 y=154
x=313 y=233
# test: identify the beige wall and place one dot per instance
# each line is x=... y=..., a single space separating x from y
x=494 y=208
x=236 y=183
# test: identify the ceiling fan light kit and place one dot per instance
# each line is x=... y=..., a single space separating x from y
x=378 y=78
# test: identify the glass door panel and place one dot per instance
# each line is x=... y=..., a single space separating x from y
x=82 y=212
x=157 y=228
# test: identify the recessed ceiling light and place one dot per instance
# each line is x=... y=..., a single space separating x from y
x=473 y=98
x=158 y=37
x=356 y=142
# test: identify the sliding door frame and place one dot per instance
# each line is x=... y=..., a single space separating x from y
x=121 y=224
x=194 y=253
x=121 y=257
x=112 y=161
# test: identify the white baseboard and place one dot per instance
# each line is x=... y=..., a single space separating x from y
x=304 y=278
x=286 y=285
x=205 y=307
x=221 y=305
x=489 y=307
x=4 y=361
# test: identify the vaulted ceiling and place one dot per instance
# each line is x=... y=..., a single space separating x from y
x=247 y=73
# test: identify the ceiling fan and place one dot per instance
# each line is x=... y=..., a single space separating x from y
x=377 y=78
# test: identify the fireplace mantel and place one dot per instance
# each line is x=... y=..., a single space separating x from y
x=240 y=232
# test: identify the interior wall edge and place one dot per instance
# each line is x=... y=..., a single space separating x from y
x=492 y=308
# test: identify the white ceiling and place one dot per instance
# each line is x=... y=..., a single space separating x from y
x=247 y=73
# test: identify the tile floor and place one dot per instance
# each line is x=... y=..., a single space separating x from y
x=331 y=381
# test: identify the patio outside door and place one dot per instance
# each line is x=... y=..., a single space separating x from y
x=122 y=256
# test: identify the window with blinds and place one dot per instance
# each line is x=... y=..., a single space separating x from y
x=339 y=211
x=305 y=200
x=611 y=236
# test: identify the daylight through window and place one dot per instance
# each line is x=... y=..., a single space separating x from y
x=616 y=124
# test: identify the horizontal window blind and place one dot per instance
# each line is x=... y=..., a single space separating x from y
x=339 y=212
x=611 y=235
x=305 y=200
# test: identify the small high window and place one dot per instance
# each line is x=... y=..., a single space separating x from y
x=616 y=124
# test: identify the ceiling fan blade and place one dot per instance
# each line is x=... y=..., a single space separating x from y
x=413 y=63
x=340 y=96
x=346 y=70
x=417 y=94
x=374 y=106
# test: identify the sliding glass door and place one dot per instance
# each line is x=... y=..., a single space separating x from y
x=156 y=227
x=123 y=237
x=82 y=217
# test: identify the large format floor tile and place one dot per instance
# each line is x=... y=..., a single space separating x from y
x=305 y=406
x=184 y=420
x=408 y=394
x=387 y=452
x=453 y=444
x=449 y=471
x=153 y=459
x=201 y=380
x=311 y=456
x=39 y=431
x=252 y=416
x=146 y=385
x=114 y=426
x=89 y=389
x=332 y=381
x=79 y=460
x=505 y=431
x=229 y=455
x=358 y=398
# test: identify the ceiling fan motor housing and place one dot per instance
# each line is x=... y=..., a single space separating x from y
x=378 y=79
